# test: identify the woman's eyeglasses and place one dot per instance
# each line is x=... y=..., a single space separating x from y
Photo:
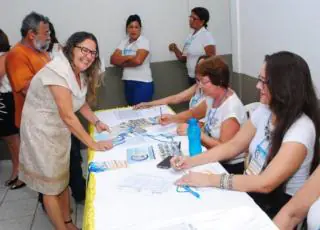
x=87 y=51
x=263 y=81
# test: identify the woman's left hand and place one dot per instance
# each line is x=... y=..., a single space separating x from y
x=100 y=127
x=182 y=129
x=196 y=179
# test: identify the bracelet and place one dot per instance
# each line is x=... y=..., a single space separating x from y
x=229 y=184
x=222 y=179
x=97 y=122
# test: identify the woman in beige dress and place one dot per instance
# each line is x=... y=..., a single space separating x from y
x=56 y=92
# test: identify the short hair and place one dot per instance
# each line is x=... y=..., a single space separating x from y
x=31 y=22
x=4 y=42
x=203 y=14
x=133 y=18
x=216 y=69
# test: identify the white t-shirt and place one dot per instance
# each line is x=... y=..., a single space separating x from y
x=5 y=86
x=194 y=48
x=301 y=131
x=197 y=98
x=232 y=107
x=141 y=72
x=314 y=216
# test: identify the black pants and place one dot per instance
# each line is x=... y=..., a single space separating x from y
x=77 y=183
x=271 y=203
x=234 y=168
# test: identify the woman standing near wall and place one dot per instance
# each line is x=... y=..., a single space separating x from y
x=133 y=55
x=199 y=42
x=8 y=131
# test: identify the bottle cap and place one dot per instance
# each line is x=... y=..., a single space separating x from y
x=192 y=121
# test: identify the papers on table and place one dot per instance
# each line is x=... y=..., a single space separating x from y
x=145 y=183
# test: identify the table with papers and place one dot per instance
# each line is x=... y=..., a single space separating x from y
x=127 y=191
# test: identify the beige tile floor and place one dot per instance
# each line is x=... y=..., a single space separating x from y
x=20 y=209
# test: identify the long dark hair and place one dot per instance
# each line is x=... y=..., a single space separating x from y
x=4 y=42
x=292 y=94
x=52 y=37
x=93 y=72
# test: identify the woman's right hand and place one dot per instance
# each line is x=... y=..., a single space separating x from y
x=181 y=162
x=166 y=119
x=142 y=105
x=172 y=47
x=102 y=145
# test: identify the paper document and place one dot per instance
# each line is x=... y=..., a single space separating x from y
x=147 y=183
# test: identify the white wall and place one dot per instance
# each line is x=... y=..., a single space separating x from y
x=163 y=21
x=262 y=27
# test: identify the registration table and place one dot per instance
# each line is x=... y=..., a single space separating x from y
x=127 y=191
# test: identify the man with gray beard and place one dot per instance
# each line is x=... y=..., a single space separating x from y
x=25 y=59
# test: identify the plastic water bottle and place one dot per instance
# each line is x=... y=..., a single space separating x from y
x=194 y=137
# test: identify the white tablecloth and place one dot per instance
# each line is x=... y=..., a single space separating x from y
x=110 y=207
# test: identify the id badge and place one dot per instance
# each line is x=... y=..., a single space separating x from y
x=186 y=46
x=258 y=160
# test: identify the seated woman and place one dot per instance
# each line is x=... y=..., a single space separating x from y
x=305 y=201
x=282 y=138
x=133 y=56
x=193 y=94
x=223 y=111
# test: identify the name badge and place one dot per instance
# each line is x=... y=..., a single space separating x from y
x=258 y=159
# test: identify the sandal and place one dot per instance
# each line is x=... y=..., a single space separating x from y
x=17 y=186
x=70 y=222
x=11 y=182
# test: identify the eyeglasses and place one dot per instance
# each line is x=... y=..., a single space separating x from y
x=87 y=51
x=193 y=18
x=264 y=82
x=202 y=82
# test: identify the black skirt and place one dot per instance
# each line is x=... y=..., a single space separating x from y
x=7 y=125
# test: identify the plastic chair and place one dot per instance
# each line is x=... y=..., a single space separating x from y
x=251 y=107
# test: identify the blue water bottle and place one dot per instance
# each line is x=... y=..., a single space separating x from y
x=194 y=137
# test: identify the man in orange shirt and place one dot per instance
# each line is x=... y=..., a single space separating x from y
x=25 y=59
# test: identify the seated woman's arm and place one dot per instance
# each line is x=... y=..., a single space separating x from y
x=228 y=129
x=278 y=171
x=118 y=59
x=197 y=112
x=63 y=99
x=297 y=208
x=183 y=96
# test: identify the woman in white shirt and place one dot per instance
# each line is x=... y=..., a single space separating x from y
x=193 y=94
x=305 y=202
x=8 y=131
x=199 y=42
x=133 y=55
x=282 y=138
x=222 y=110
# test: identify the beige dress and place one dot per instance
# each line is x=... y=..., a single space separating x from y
x=45 y=139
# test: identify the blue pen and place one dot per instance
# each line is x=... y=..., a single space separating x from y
x=188 y=189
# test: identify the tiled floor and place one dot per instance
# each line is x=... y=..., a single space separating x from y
x=20 y=209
